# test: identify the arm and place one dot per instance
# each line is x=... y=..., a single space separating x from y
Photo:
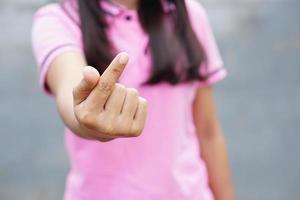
x=213 y=148
x=81 y=94
x=92 y=106
x=61 y=81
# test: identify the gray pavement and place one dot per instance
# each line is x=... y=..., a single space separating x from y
x=258 y=102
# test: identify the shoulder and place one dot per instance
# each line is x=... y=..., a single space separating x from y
x=54 y=22
x=52 y=10
x=56 y=13
x=48 y=16
x=198 y=17
x=53 y=30
x=53 y=33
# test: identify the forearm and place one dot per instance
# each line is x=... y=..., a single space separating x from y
x=214 y=153
x=64 y=104
x=63 y=75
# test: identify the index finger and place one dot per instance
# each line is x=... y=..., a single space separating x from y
x=108 y=79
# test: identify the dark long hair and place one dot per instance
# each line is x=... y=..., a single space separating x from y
x=176 y=52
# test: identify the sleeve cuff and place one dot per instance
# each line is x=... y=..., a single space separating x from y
x=44 y=66
x=213 y=77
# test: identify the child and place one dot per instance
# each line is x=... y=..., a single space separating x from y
x=138 y=128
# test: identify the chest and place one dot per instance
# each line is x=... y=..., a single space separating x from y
x=127 y=35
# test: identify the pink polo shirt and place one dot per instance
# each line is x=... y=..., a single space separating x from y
x=164 y=162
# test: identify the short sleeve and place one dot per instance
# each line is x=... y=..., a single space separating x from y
x=213 y=69
x=53 y=33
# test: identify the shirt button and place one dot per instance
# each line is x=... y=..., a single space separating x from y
x=128 y=17
x=146 y=50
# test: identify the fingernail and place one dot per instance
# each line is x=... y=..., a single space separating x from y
x=123 y=59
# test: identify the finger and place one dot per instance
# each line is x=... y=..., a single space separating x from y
x=107 y=81
x=105 y=139
x=86 y=85
x=131 y=103
x=115 y=69
x=140 y=116
x=116 y=100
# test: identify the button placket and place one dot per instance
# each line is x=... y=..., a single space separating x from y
x=128 y=17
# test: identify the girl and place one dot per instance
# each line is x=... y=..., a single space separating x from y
x=162 y=94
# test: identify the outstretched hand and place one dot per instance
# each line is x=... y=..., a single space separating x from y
x=106 y=108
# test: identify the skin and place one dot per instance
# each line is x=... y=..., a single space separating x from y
x=130 y=4
x=212 y=143
x=97 y=108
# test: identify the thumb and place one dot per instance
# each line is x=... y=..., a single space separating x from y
x=83 y=89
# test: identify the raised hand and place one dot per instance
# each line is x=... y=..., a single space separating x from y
x=105 y=109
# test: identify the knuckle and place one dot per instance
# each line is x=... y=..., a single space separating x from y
x=108 y=129
x=123 y=131
x=120 y=85
x=107 y=125
x=86 y=119
x=121 y=127
x=132 y=91
x=143 y=101
x=105 y=87
x=127 y=130
x=136 y=131
x=116 y=71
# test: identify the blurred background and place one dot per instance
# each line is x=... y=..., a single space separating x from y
x=259 y=102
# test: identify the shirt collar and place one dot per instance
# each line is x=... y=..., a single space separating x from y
x=112 y=8
x=115 y=9
x=109 y=7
